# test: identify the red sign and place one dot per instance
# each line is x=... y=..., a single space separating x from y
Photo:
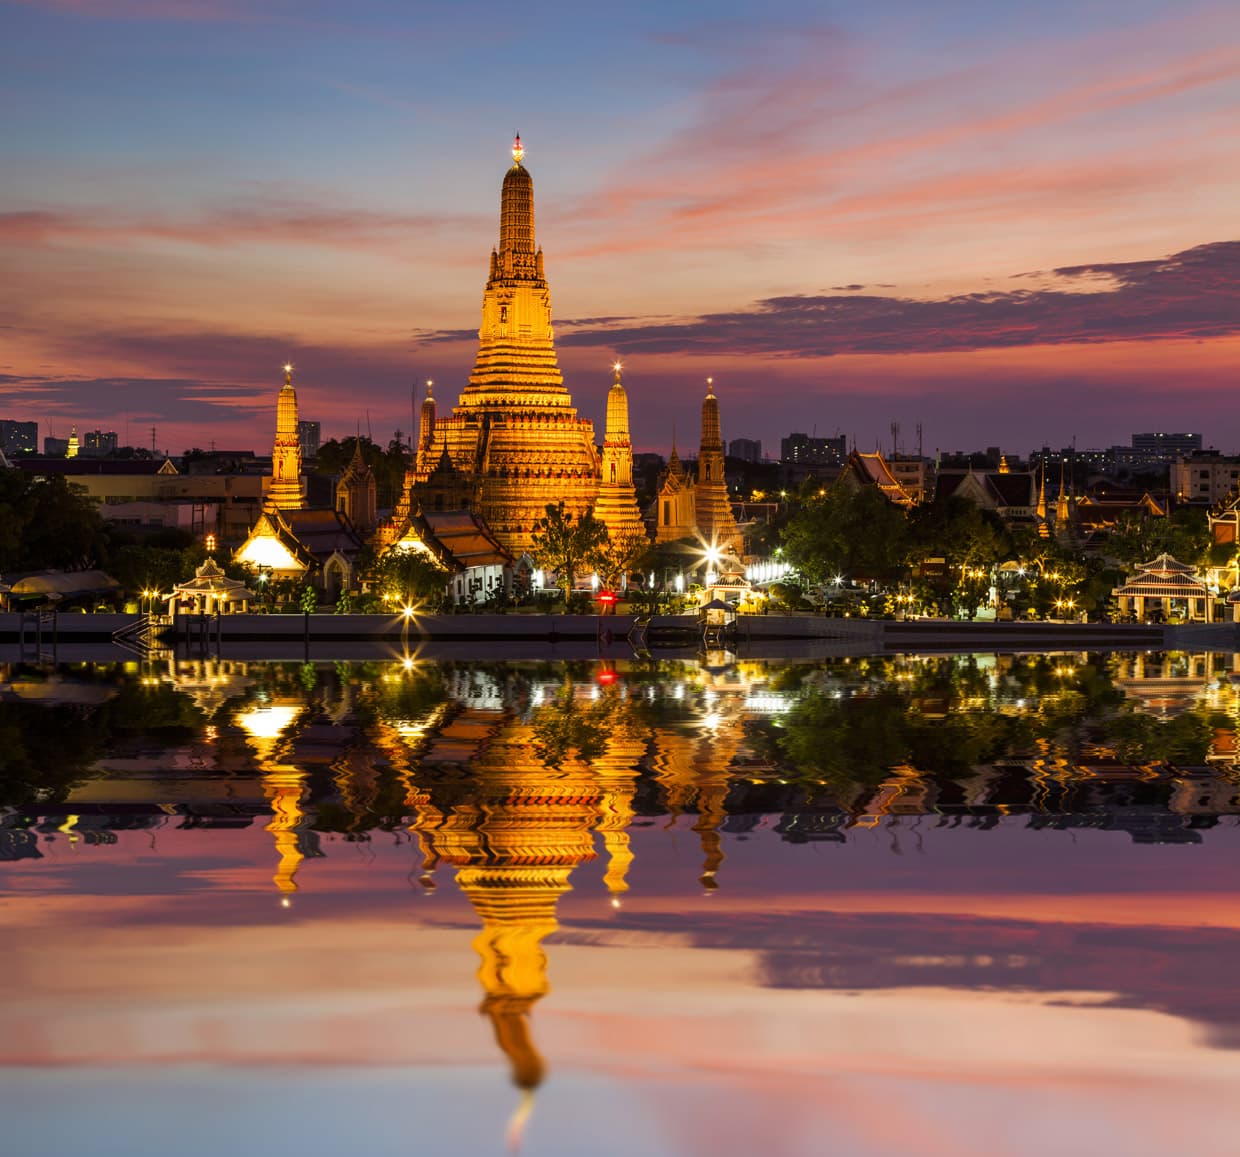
x=607 y=597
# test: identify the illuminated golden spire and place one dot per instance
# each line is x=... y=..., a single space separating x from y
x=518 y=150
x=1040 y=511
x=1061 y=503
x=616 y=506
x=285 y=490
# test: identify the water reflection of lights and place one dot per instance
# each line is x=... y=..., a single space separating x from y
x=268 y=721
x=712 y=720
x=768 y=704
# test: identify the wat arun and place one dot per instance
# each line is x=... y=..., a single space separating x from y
x=514 y=442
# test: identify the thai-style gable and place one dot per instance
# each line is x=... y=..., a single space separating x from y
x=462 y=543
x=864 y=469
x=318 y=547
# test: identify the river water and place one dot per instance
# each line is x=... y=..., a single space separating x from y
x=969 y=904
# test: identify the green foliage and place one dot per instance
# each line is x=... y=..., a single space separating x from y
x=955 y=529
x=847 y=532
x=1139 y=538
x=48 y=525
x=403 y=577
x=616 y=558
x=567 y=546
x=344 y=604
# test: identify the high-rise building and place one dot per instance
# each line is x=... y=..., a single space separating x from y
x=99 y=443
x=19 y=437
x=802 y=450
x=309 y=434
x=745 y=449
x=514 y=439
x=1164 y=447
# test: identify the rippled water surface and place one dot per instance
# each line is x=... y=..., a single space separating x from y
x=965 y=905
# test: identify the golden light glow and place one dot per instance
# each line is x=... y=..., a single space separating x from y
x=267 y=722
x=288 y=367
x=518 y=150
x=268 y=551
x=617 y=366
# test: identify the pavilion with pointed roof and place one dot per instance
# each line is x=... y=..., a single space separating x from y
x=209 y=592
x=1167 y=585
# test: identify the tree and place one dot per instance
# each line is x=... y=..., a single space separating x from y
x=408 y=576
x=566 y=546
x=1139 y=538
x=619 y=556
x=846 y=532
x=48 y=524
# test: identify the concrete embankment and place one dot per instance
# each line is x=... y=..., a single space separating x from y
x=105 y=637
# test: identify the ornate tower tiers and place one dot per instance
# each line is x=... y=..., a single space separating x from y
x=710 y=498
x=616 y=507
x=515 y=431
x=285 y=490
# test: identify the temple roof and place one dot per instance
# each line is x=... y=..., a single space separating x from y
x=310 y=536
x=872 y=469
x=459 y=539
x=209 y=579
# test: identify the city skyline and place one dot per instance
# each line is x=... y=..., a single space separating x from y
x=1014 y=228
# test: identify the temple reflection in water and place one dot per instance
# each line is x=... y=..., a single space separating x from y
x=511 y=777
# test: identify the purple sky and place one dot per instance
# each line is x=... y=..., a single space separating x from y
x=1012 y=224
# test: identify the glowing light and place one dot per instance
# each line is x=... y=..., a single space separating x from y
x=615 y=901
x=518 y=150
x=407 y=611
x=269 y=722
x=288 y=367
x=617 y=366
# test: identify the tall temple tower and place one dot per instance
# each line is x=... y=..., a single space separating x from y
x=616 y=506
x=711 y=507
x=285 y=490
x=699 y=506
x=515 y=433
x=426 y=426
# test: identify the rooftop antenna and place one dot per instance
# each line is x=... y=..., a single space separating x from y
x=153 y=450
x=895 y=439
x=918 y=439
x=369 y=435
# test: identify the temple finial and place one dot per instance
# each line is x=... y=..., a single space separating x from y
x=518 y=150
x=288 y=373
x=710 y=387
x=430 y=388
x=617 y=365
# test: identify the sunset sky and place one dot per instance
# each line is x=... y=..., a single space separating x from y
x=1010 y=223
